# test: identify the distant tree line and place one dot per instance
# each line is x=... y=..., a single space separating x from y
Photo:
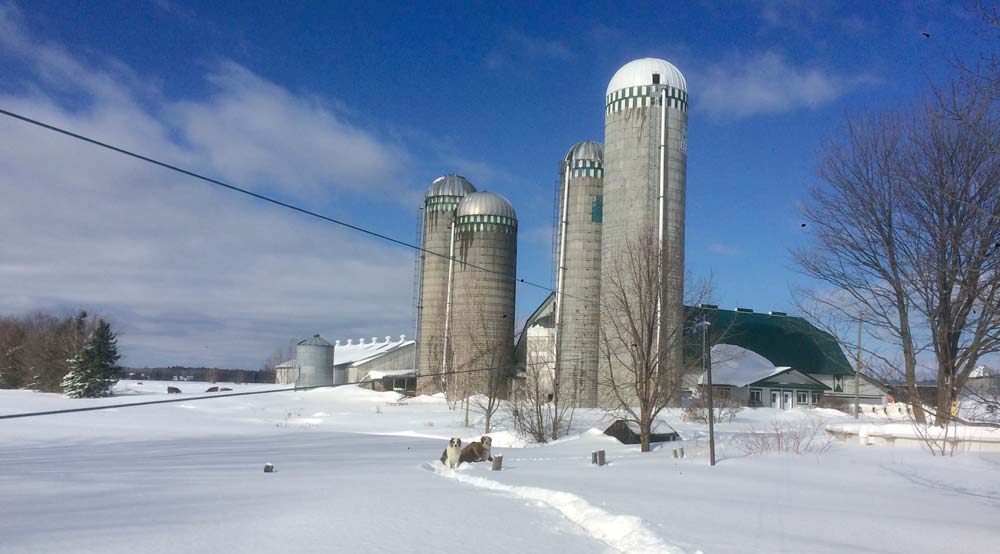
x=207 y=374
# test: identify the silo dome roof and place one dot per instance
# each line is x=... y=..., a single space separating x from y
x=586 y=150
x=485 y=203
x=640 y=72
x=450 y=185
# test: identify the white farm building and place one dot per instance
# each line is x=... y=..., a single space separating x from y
x=385 y=364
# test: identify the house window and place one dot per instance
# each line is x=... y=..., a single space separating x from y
x=815 y=397
x=802 y=397
x=755 y=397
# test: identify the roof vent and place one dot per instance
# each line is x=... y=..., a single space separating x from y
x=708 y=306
x=744 y=310
x=779 y=314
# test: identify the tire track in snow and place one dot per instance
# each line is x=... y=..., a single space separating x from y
x=623 y=533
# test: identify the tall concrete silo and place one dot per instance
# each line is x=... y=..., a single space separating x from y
x=315 y=360
x=645 y=168
x=578 y=273
x=440 y=201
x=482 y=314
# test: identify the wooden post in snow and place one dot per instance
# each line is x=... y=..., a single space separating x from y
x=498 y=462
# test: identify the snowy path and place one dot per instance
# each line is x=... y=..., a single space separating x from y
x=333 y=492
x=626 y=534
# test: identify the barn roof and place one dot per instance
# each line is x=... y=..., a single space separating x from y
x=784 y=340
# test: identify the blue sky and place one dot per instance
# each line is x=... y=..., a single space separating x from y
x=352 y=109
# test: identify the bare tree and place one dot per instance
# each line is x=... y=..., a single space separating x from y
x=635 y=349
x=480 y=360
x=13 y=374
x=488 y=382
x=979 y=77
x=905 y=225
x=538 y=411
x=35 y=349
x=280 y=355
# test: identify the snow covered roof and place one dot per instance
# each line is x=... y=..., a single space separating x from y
x=287 y=364
x=358 y=352
x=375 y=375
x=739 y=367
x=640 y=73
x=980 y=372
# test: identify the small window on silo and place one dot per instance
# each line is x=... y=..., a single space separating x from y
x=656 y=78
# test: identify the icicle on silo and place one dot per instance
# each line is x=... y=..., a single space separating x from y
x=578 y=273
x=645 y=168
x=440 y=201
x=314 y=358
x=482 y=314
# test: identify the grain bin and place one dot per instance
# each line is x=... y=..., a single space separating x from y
x=314 y=357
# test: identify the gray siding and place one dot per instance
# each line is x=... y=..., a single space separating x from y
x=401 y=358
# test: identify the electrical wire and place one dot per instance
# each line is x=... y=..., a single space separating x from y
x=274 y=201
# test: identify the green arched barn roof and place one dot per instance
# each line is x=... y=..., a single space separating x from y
x=784 y=340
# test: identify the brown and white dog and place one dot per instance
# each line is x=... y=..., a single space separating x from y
x=451 y=456
x=477 y=451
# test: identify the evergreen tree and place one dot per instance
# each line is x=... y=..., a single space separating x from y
x=94 y=370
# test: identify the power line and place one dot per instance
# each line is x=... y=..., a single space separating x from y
x=265 y=198
x=230 y=394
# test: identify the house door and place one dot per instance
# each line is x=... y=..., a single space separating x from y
x=775 y=399
x=786 y=399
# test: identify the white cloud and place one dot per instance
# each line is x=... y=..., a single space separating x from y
x=256 y=131
x=517 y=48
x=725 y=250
x=190 y=274
x=766 y=83
x=811 y=18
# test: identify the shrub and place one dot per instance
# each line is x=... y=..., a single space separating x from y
x=805 y=436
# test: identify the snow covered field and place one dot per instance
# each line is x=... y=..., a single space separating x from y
x=355 y=472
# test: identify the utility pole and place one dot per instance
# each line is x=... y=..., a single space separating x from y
x=857 y=371
x=706 y=364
